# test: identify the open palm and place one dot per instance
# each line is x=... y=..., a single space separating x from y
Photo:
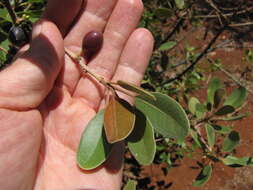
x=45 y=102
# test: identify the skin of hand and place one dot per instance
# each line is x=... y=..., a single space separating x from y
x=45 y=102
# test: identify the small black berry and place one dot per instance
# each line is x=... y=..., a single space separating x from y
x=18 y=36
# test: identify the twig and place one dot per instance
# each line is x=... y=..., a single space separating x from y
x=201 y=138
x=235 y=79
x=227 y=15
x=10 y=11
x=78 y=59
x=4 y=50
x=218 y=11
x=201 y=55
x=241 y=24
x=175 y=29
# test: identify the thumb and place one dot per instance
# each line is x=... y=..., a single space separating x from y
x=29 y=79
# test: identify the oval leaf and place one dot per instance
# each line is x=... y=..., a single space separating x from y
x=119 y=119
x=235 y=161
x=180 y=4
x=210 y=135
x=166 y=116
x=203 y=176
x=141 y=141
x=136 y=89
x=200 y=111
x=193 y=104
x=225 y=110
x=222 y=129
x=218 y=97
x=167 y=46
x=213 y=85
x=237 y=98
x=195 y=137
x=231 y=141
x=131 y=185
x=93 y=148
x=163 y=12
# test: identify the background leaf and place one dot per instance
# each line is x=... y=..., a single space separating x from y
x=93 y=148
x=213 y=85
x=5 y=15
x=195 y=138
x=218 y=97
x=131 y=185
x=180 y=4
x=192 y=104
x=203 y=177
x=163 y=12
x=237 y=117
x=237 y=98
x=167 y=46
x=141 y=141
x=225 y=110
x=166 y=116
x=210 y=135
x=231 y=141
x=200 y=111
x=222 y=129
x=235 y=161
x=119 y=119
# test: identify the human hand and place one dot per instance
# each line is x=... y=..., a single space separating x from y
x=45 y=102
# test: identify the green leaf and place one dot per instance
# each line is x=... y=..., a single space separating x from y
x=131 y=185
x=192 y=105
x=218 y=97
x=222 y=129
x=237 y=98
x=213 y=85
x=166 y=116
x=180 y=4
x=200 y=111
x=141 y=141
x=225 y=110
x=235 y=161
x=135 y=89
x=210 y=135
x=5 y=15
x=203 y=176
x=167 y=46
x=163 y=12
x=231 y=141
x=195 y=138
x=93 y=148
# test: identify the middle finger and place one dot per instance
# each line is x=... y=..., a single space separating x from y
x=93 y=17
x=121 y=24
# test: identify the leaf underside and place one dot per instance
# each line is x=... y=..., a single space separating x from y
x=119 y=120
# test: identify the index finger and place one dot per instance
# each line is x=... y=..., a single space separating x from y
x=67 y=11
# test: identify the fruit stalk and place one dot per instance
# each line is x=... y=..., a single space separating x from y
x=78 y=59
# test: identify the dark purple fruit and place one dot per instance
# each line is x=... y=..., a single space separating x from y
x=92 y=43
x=18 y=36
